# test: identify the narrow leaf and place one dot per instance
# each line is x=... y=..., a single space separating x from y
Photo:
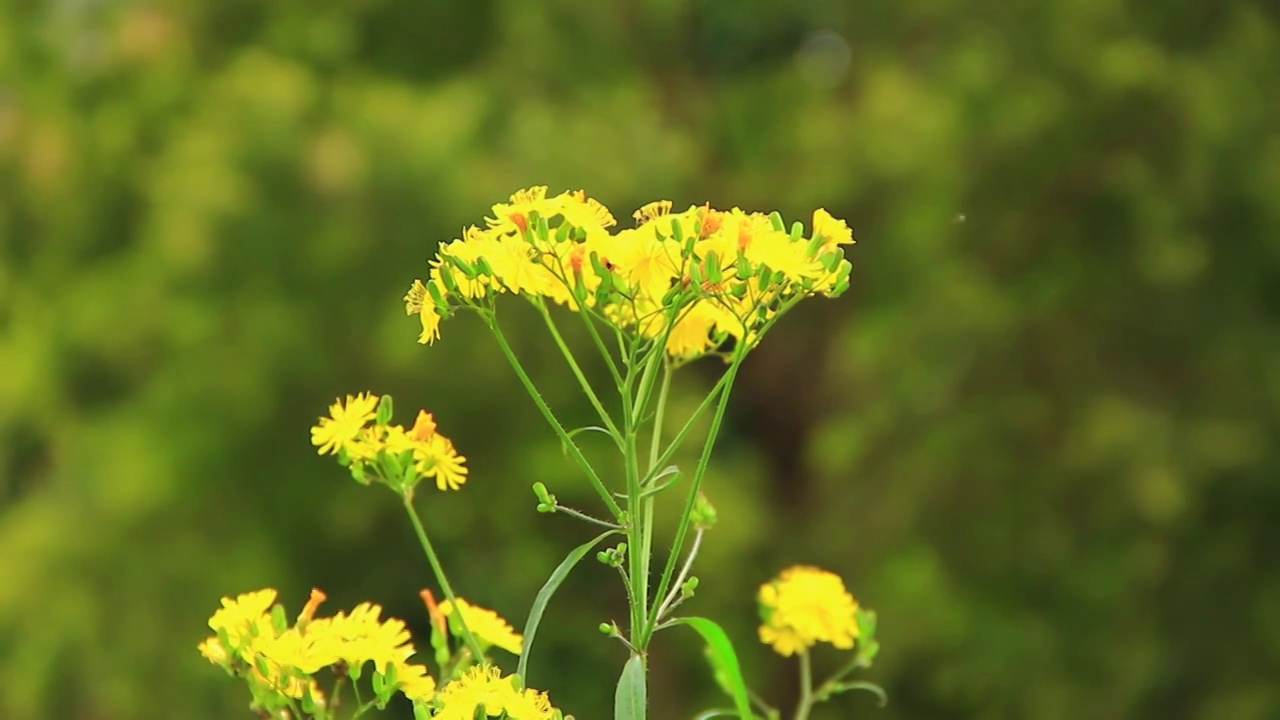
x=862 y=685
x=544 y=596
x=629 y=700
x=724 y=661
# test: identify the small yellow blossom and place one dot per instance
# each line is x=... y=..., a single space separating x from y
x=655 y=209
x=806 y=605
x=486 y=625
x=584 y=212
x=414 y=682
x=344 y=423
x=438 y=459
x=240 y=619
x=833 y=232
x=484 y=687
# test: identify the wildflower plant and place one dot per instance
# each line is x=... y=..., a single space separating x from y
x=676 y=288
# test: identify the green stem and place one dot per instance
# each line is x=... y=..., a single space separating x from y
x=574 y=451
x=586 y=316
x=638 y=585
x=577 y=371
x=682 y=528
x=806 y=687
x=658 y=418
x=689 y=423
x=587 y=518
x=647 y=499
x=440 y=576
x=335 y=695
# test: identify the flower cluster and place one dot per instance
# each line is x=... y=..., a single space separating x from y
x=253 y=640
x=691 y=280
x=804 y=606
x=359 y=432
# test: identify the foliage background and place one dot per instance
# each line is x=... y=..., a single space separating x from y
x=1039 y=434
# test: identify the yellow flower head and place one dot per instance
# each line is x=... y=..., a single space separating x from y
x=655 y=209
x=240 y=619
x=832 y=231
x=437 y=458
x=486 y=625
x=806 y=605
x=584 y=212
x=344 y=423
x=483 y=686
x=414 y=682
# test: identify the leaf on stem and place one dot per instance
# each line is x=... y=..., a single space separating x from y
x=544 y=596
x=724 y=662
x=630 y=699
x=861 y=685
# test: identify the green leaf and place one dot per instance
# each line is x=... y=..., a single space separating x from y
x=544 y=596
x=862 y=685
x=589 y=428
x=629 y=701
x=724 y=661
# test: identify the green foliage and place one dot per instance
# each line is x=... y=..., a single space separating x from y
x=1038 y=435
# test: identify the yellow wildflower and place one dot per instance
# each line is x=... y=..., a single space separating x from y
x=484 y=687
x=430 y=318
x=437 y=458
x=475 y=244
x=414 y=682
x=584 y=212
x=514 y=268
x=240 y=619
x=486 y=625
x=513 y=217
x=655 y=209
x=832 y=231
x=806 y=605
x=344 y=423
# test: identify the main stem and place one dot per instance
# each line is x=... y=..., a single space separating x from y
x=640 y=508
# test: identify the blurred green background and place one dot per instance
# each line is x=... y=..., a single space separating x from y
x=1038 y=435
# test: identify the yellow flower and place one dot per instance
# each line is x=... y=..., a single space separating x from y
x=240 y=620
x=584 y=212
x=514 y=269
x=512 y=218
x=344 y=423
x=806 y=605
x=363 y=637
x=418 y=301
x=414 y=682
x=475 y=244
x=486 y=625
x=655 y=209
x=833 y=232
x=438 y=459
x=484 y=687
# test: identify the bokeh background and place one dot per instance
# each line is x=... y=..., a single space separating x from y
x=1038 y=434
